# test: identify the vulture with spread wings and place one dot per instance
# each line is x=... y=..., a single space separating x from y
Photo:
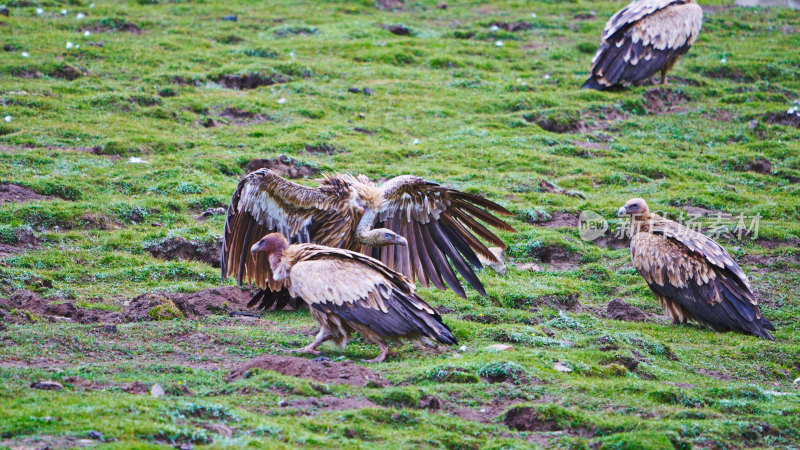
x=692 y=276
x=642 y=39
x=348 y=291
x=416 y=227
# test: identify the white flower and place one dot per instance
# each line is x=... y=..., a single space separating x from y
x=63 y=12
x=533 y=15
x=25 y=54
x=7 y=118
x=291 y=54
x=723 y=60
x=546 y=76
x=494 y=28
x=136 y=160
x=87 y=33
x=80 y=16
x=39 y=11
x=791 y=111
x=69 y=45
x=281 y=101
x=415 y=142
x=77 y=45
x=91 y=5
x=498 y=43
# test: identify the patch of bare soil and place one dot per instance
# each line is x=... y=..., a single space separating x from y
x=116 y=25
x=526 y=418
x=18 y=194
x=390 y=5
x=721 y=115
x=664 y=101
x=546 y=186
x=322 y=149
x=620 y=310
x=396 y=28
x=486 y=413
x=250 y=80
x=242 y=118
x=328 y=372
x=202 y=303
x=561 y=220
x=568 y=302
x=180 y=248
x=313 y=405
x=284 y=166
x=48 y=442
x=558 y=258
x=24 y=239
x=513 y=26
x=54 y=310
x=68 y=72
x=761 y=165
x=783 y=118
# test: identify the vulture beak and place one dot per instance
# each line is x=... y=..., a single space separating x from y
x=622 y=212
x=257 y=247
x=402 y=241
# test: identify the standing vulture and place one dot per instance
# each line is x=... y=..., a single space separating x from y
x=347 y=291
x=415 y=227
x=643 y=38
x=693 y=277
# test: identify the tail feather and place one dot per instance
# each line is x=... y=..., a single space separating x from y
x=592 y=83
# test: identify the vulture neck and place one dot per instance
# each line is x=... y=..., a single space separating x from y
x=275 y=257
x=641 y=223
x=365 y=235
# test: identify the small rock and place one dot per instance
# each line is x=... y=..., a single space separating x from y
x=561 y=367
x=796 y=382
x=354 y=90
x=231 y=18
x=442 y=6
x=321 y=359
x=4 y=11
x=47 y=385
x=96 y=435
x=156 y=224
x=430 y=402
x=157 y=391
x=219 y=428
x=463 y=348
x=367 y=91
x=398 y=29
x=532 y=267
x=213 y=212
x=752 y=124
x=9 y=48
x=498 y=266
x=186 y=446
x=283 y=403
x=500 y=348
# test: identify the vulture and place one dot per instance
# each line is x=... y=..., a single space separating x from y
x=643 y=38
x=348 y=291
x=692 y=276
x=413 y=226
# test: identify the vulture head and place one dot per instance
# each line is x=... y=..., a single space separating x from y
x=634 y=207
x=273 y=245
x=380 y=237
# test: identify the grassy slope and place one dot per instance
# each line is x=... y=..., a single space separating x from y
x=464 y=101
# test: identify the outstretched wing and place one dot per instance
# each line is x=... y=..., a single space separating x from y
x=362 y=290
x=642 y=38
x=697 y=279
x=442 y=227
x=265 y=203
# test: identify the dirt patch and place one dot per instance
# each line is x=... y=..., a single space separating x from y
x=181 y=249
x=284 y=166
x=105 y=25
x=587 y=121
x=558 y=258
x=513 y=26
x=783 y=118
x=31 y=308
x=46 y=441
x=546 y=186
x=243 y=118
x=620 y=310
x=396 y=28
x=313 y=405
x=526 y=418
x=322 y=149
x=568 y=302
x=721 y=115
x=485 y=413
x=483 y=318
x=561 y=220
x=761 y=165
x=390 y=5
x=664 y=101
x=194 y=305
x=613 y=240
x=18 y=194
x=68 y=72
x=328 y=372
x=23 y=240
x=250 y=80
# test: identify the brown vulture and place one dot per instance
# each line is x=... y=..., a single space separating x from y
x=692 y=276
x=415 y=227
x=643 y=38
x=348 y=291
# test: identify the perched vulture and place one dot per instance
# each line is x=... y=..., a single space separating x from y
x=415 y=227
x=643 y=38
x=348 y=291
x=692 y=276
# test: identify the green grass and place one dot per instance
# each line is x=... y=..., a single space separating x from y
x=449 y=105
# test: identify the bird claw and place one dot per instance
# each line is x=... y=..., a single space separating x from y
x=302 y=350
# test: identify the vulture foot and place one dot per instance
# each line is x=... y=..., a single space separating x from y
x=307 y=350
x=384 y=353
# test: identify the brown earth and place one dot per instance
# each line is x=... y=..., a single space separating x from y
x=18 y=194
x=783 y=118
x=558 y=258
x=181 y=249
x=390 y=5
x=328 y=372
x=561 y=220
x=242 y=118
x=620 y=310
x=202 y=303
x=284 y=166
x=24 y=239
x=526 y=418
x=513 y=26
x=664 y=100
x=314 y=405
x=250 y=80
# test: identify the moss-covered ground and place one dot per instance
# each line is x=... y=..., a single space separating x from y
x=130 y=141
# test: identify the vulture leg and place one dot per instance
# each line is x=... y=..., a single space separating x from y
x=664 y=74
x=323 y=335
x=384 y=353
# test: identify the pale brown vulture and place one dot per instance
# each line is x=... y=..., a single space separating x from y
x=643 y=38
x=415 y=227
x=692 y=276
x=348 y=291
